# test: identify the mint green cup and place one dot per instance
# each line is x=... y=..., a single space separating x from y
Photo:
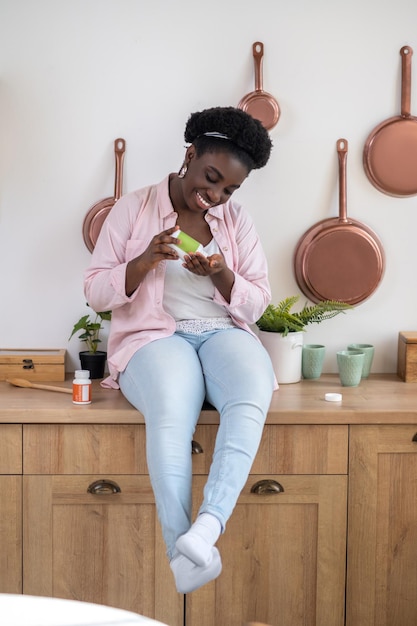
x=369 y=351
x=350 y=366
x=312 y=360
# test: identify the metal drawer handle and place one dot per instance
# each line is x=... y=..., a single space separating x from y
x=196 y=448
x=103 y=487
x=266 y=487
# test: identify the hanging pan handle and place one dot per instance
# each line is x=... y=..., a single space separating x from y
x=406 y=54
x=258 y=55
x=342 y=149
x=119 y=152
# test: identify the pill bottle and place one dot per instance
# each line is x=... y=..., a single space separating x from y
x=81 y=387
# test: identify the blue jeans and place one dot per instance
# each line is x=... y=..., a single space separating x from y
x=167 y=381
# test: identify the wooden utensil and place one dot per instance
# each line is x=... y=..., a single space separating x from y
x=21 y=382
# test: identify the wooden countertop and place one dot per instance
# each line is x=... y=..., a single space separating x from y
x=381 y=399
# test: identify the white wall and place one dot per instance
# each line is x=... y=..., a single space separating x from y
x=76 y=74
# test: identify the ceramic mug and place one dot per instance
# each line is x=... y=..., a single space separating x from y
x=312 y=360
x=369 y=350
x=350 y=365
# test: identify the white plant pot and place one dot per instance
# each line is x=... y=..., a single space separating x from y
x=285 y=354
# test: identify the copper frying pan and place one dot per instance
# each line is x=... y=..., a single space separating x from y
x=96 y=215
x=390 y=152
x=260 y=104
x=339 y=258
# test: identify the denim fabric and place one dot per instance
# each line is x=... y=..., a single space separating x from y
x=167 y=381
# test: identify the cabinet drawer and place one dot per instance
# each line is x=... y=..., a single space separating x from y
x=10 y=449
x=285 y=450
x=84 y=449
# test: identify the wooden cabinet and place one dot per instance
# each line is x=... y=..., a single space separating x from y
x=78 y=518
x=283 y=551
x=382 y=537
x=91 y=533
x=10 y=508
x=89 y=526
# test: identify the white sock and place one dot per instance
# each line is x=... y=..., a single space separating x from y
x=198 y=542
x=189 y=576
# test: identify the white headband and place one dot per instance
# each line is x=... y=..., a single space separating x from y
x=216 y=135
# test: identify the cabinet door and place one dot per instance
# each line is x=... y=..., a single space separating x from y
x=10 y=508
x=10 y=534
x=382 y=535
x=102 y=547
x=283 y=556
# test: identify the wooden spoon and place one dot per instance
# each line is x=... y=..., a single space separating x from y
x=21 y=382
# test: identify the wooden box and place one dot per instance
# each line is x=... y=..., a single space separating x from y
x=407 y=356
x=32 y=365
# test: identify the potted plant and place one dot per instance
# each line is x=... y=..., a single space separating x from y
x=281 y=332
x=92 y=359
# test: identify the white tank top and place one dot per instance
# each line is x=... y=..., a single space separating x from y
x=190 y=297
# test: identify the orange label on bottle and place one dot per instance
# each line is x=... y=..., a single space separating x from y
x=81 y=394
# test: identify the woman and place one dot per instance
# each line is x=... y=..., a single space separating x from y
x=180 y=329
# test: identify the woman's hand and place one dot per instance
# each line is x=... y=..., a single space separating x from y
x=204 y=266
x=158 y=250
x=215 y=267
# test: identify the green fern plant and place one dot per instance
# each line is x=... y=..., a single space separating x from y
x=279 y=319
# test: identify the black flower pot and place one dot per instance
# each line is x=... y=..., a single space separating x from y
x=94 y=362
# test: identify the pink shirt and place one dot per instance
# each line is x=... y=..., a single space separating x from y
x=140 y=318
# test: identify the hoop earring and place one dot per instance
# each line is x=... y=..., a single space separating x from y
x=183 y=170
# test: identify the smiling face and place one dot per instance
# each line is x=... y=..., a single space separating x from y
x=210 y=179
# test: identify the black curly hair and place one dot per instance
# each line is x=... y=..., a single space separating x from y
x=244 y=136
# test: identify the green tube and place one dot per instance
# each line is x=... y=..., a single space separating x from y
x=187 y=243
